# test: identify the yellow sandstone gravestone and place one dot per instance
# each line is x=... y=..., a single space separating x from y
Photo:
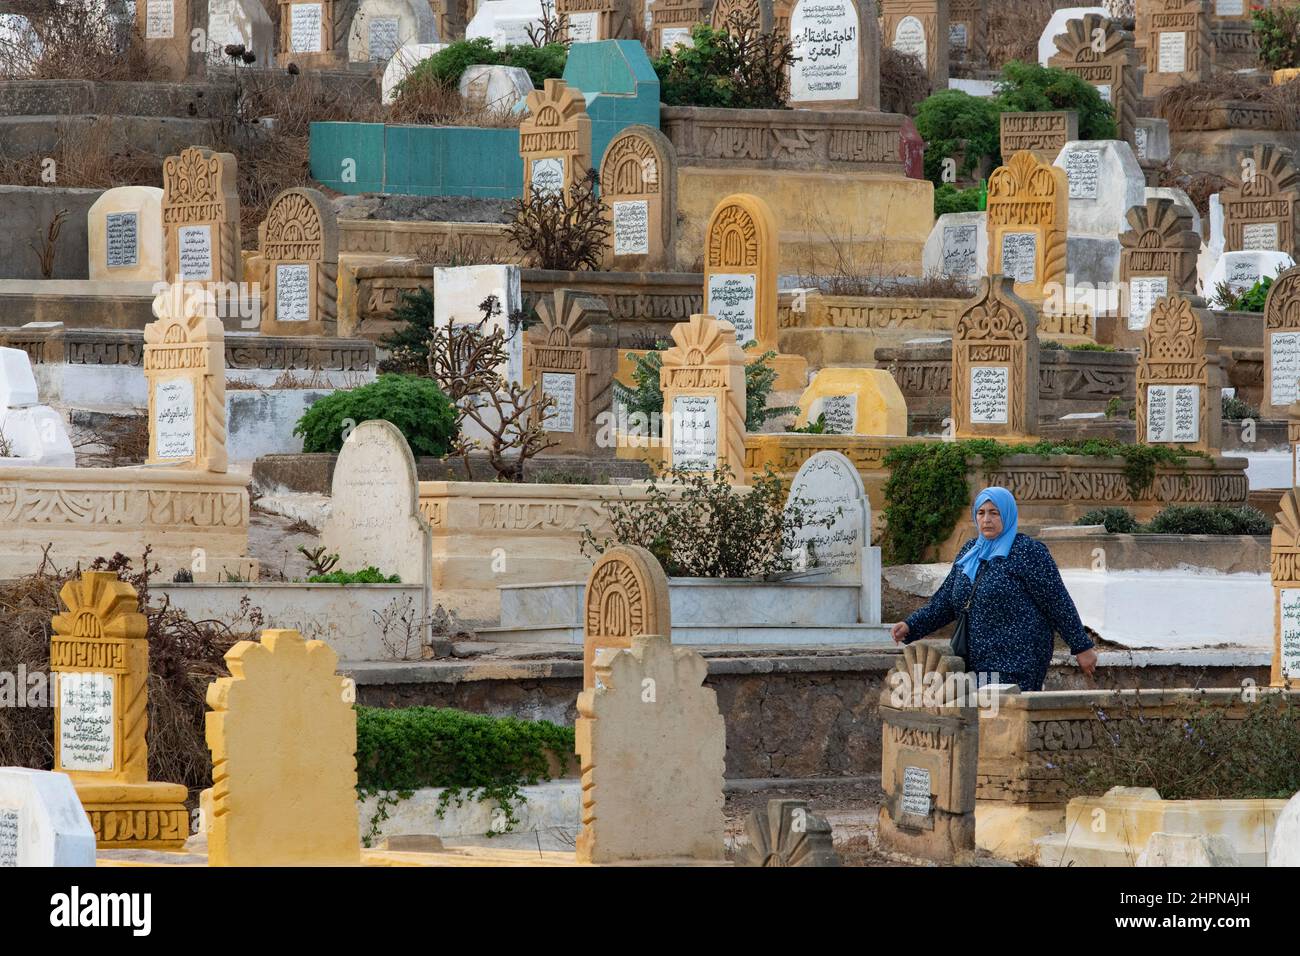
x=1026 y=225
x=100 y=656
x=855 y=401
x=276 y=802
x=703 y=383
x=626 y=596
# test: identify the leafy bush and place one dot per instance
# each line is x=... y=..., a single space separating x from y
x=1234 y=409
x=473 y=756
x=1199 y=519
x=1205 y=754
x=448 y=65
x=952 y=123
x=1248 y=300
x=712 y=529
x=367 y=575
x=415 y=405
x=948 y=198
x=1030 y=88
x=1116 y=520
x=740 y=68
x=1277 y=31
x=810 y=428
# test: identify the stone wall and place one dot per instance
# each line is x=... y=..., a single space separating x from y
x=28 y=211
x=843 y=330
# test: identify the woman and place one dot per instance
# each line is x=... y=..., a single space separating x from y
x=1019 y=600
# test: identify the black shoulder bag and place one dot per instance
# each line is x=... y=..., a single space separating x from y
x=961 y=633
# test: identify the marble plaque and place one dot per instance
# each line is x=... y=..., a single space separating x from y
x=583 y=27
x=1259 y=236
x=916 y=792
x=1104 y=90
x=989 y=394
x=1140 y=141
x=1229 y=8
x=695 y=432
x=632 y=227
x=1082 y=167
x=10 y=822
x=194 y=262
x=548 y=176
x=1159 y=424
x=1173 y=53
x=292 y=292
x=909 y=37
x=957 y=36
x=1186 y=413
x=825 y=38
x=305 y=28
x=122 y=240
x=86 y=720
x=961 y=250
x=841 y=413
x=1284 y=368
x=561 y=386
x=670 y=37
x=1242 y=275
x=731 y=298
x=174 y=425
x=1290 y=637
x=1020 y=256
x=385 y=38
x=159 y=20
x=1144 y=291
x=511 y=31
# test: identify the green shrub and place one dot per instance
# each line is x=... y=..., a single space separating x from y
x=743 y=69
x=1277 y=31
x=948 y=198
x=1234 y=409
x=446 y=66
x=1116 y=520
x=1030 y=88
x=1209 y=519
x=473 y=756
x=810 y=428
x=415 y=405
x=367 y=575
x=1249 y=300
x=953 y=122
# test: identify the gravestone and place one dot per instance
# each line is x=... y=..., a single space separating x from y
x=1151 y=139
x=626 y=597
x=1057 y=25
x=1284 y=566
x=124 y=235
x=41 y=821
x=36 y=434
x=457 y=293
x=403 y=62
x=968 y=32
x=1281 y=345
x=1043 y=134
x=828 y=485
x=787 y=833
x=671 y=22
x=995 y=364
x=958 y=246
x=380 y=28
x=1241 y=270
x=929 y=757
x=185 y=373
x=1158 y=259
x=919 y=28
x=651 y=743
x=1097 y=51
x=1260 y=213
x=638 y=187
x=571 y=353
x=313 y=33
x=1179 y=381
x=727 y=13
x=703 y=384
x=166 y=26
x=555 y=139
x=1104 y=182
x=740 y=250
x=592 y=20
x=240 y=23
x=283 y=736
x=299 y=241
x=99 y=658
x=375 y=518
x=505 y=22
x=855 y=401
x=200 y=218
x=499 y=88
x=1027 y=211
x=1286 y=835
x=837 y=43
x=1179 y=48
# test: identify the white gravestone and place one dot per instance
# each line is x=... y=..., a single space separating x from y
x=305 y=28
x=909 y=37
x=1105 y=181
x=695 y=432
x=1241 y=270
x=632 y=227
x=85 y=726
x=174 y=425
x=457 y=292
x=1144 y=291
x=832 y=484
x=292 y=292
x=505 y=22
x=1173 y=52
x=583 y=27
x=731 y=298
x=236 y=22
x=36 y=433
x=1286 y=833
x=1173 y=414
x=989 y=394
x=958 y=245
x=1020 y=256
x=825 y=38
x=496 y=87
x=1284 y=368
x=403 y=62
x=562 y=387
x=42 y=822
x=916 y=792
x=1056 y=26
x=124 y=235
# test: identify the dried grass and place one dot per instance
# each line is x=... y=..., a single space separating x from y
x=76 y=42
x=1014 y=27
x=1199 y=186
x=427 y=101
x=90 y=153
x=1184 y=106
x=903 y=82
x=123 y=442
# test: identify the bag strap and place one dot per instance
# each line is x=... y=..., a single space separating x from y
x=973 y=585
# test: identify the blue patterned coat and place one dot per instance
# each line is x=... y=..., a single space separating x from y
x=1020 y=601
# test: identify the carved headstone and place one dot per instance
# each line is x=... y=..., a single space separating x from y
x=837 y=43
x=310 y=32
x=125 y=236
x=380 y=28
x=929 y=755
x=200 y=215
x=958 y=246
x=626 y=597
x=283 y=737
x=591 y=20
x=727 y=14
x=1179 y=382
x=995 y=364
x=571 y=353
x=1096 y=50
x=1281 y=345
x=854 y=401
x=703 y=384
x=1027 y=215
x=1260 y=213
x=99 y=656
x=1179 y=46
x=638 y=186
x=185 y=372
x=1285 y=573
x=299 y=240
x=920 y=28
x=1043 y=134
x=167 y=29
x=968 y=32
x=1158 y=258
x=244 y=23
x=555 y=139
x=740 y=255
x=671 y=22
x=651 y=743
x=787 y=833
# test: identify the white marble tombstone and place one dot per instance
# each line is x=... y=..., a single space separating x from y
x=1241 y=270
x=458 y=291
x=35 y=433
x=495 y=87
x=380 y=28
x=403 y=62
x=1056 y=26
x=505 y=22
x=958 y=245
x=235 y=22
x=42 y=822
x=1105 y=182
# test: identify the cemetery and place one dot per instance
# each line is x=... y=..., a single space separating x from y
x=575 y=433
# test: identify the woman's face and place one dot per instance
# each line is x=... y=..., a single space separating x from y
x=989 y=520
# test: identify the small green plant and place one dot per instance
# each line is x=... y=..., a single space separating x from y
x=1116 y=520
x=1277 y=32
x=447 y=65
x=1248 y=300
x=318 y=562
x=1206 y=519
x=810 y=428
x=960 y=127
x=1114 y=407
x=738 y=67
x=415 y=405
x=948 y=198
x=1030 y=88
x=1234 y=409
x=367 y=575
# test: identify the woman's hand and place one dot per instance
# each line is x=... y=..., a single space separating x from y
x=1087 y=660
x=901 y=630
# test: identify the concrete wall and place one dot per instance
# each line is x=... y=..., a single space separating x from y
x=28 y=211
x=261 y=422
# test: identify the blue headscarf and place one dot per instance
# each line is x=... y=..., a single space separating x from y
x=998 y=547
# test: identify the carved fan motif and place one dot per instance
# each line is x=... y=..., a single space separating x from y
x=1023 y=178
x=191 y=178
x=1282 y=307
x=1174 y=333
x=700 y=341
x=1077 y=42
x=99 y=605
x=786 y=833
